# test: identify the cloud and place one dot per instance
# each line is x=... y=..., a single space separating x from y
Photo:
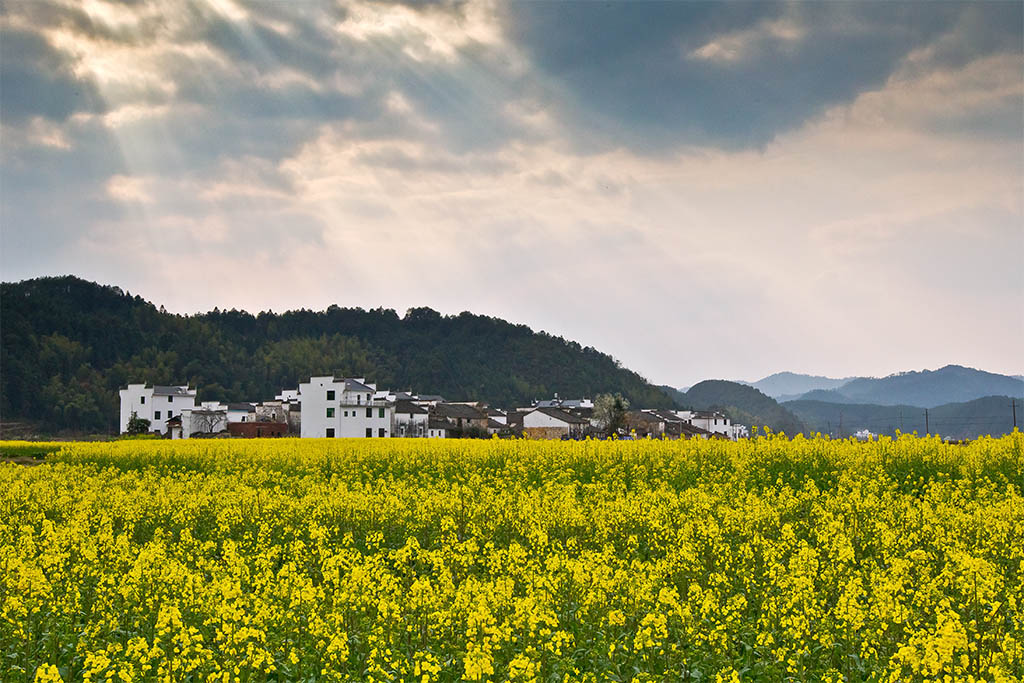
x=709 y=173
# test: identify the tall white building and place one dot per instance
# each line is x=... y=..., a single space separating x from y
x=156 y=404
x=343 y=407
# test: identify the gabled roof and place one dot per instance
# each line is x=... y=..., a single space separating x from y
x=438 y=423
x=565 y=417
x=690 y=429
x=667 y=416
x=459 y=411
x=408 y=407
x=159 y=390
x=642 y=416
x=430 y=397
x=248 y=407
x=354 y=385
x=494 y=424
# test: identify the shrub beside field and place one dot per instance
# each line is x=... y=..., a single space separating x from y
x=511 y=560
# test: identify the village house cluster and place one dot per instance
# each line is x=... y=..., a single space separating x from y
x=347 y=407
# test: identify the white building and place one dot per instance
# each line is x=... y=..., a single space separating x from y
x=714 y=422
x=550 y=423
x=156 y=404
x=208 y=419
x=411 y=420
x=340 y=407
x=241 y=412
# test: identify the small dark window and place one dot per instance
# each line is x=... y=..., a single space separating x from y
x=330 y=412
x=330 y=432
x=170 y=398
x=369 y=412
x=170 y=414
x=369 y=432
x=381 y=413
x=346 y=413
x=380 y=432
x=156 y=415
x=142 y=399
x=330 y=395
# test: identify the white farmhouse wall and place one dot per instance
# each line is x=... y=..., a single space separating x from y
x=538 y=419
x=157 y=408
x=138 y=399
x=330 y=410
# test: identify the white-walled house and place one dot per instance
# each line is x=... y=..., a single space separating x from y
x=549 y=423
x=437 y=428
x=342 y=407
x=411 y=420
x=713 y=421
x=156 y=404
x=207 y=419
x=241 y=412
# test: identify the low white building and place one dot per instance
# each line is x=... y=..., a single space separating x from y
x=714 y=422
x=203 y=420
x=550 y=423
x=156 y=404
x=342 y=407
x=241 y=412
x=411 y=420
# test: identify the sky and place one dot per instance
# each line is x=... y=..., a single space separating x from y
x=700 y=189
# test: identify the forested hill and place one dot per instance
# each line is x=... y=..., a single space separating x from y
x=68 y=345
x=743 y=403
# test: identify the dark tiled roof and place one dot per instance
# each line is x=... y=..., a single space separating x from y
x=430 y=397
x=159 y=390
x=568 y=418
x=241 y=406
x=494 y=424
x=408 y=407
x=458 y=410
x=353 y=385
x=438 y=423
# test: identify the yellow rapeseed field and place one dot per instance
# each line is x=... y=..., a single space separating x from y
x=414 y=560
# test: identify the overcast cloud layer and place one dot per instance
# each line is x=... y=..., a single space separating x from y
x=700 y=189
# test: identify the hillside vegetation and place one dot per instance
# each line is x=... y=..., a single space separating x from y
x=68 y=345
x=744 y=404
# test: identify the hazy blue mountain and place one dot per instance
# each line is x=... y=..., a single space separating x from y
x=826 y=395
x=743 y=403
x=792 y=384
x=930 y=388
x=966 y=420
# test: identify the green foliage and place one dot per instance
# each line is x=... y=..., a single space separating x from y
x=137 y=425
x=610 y=412
x=68 y=345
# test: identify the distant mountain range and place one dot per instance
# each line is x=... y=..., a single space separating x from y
x=924 y=389
x=967 y=420
x=962 y=402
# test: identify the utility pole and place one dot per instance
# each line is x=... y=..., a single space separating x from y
x=901 y=420
x=1013 y=405
x=927 y=430
x=840 y=424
